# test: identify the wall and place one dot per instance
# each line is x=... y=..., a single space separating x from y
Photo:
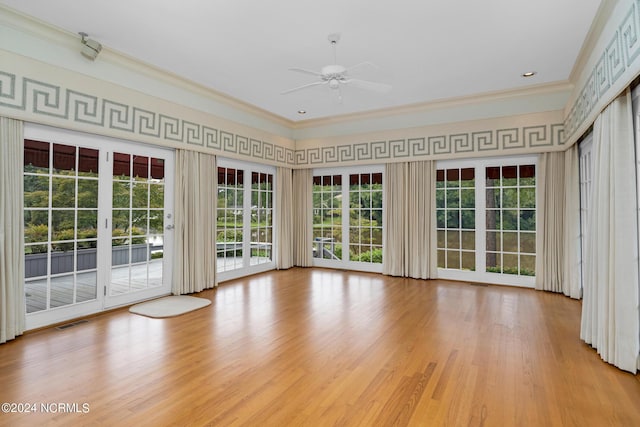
x=609 y=62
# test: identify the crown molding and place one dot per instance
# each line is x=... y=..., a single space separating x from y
x=593 y=35
x=475 y=99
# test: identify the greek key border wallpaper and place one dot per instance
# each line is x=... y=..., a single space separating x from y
x=537 y=138
x=38 y=98
x=620 y=54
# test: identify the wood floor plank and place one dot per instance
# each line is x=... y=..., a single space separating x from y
x=325 y=347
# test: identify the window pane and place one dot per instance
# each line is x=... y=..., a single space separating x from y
x=36 y=191
x=510 y=242
x=157 y=169
x=441 y=259
x=156 y=196
x=453 y=259
x=468 y=198
x=528 y=175
x=493 y=198
x=63 y=192
x=120 y=195
x=528 y=243
x=493 y=220
x=121 y=166
x=510 y=198
x=139 y=222
x=510 y=264
x=376 y=178
x=528 y=220
x=453 y=177
x=527 y=265
x=440 y=218
x=494 y=241
x=440 y=178
x=88 y=162
x=453 y=239
x=493 y=176
x=494 y=262
x=63 y=224
x=36 y=228
x=509 y=176
x=469 y=240
x=64 y=159
x=440 y=199
x=140 y=195
x=87 y=224
x=509 y=219
x=87 y=193
x=527 y=197
x=61 y=291
x=469 y=261
x=453 y=219
x=453 y=198
x=36 y=156
x=467 y=177
x=140 y=168
x=469 y=219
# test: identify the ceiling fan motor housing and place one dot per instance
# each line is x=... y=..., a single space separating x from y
x=334 y=74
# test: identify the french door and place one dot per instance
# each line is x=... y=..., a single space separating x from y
x=98 y=223
x=138 y=218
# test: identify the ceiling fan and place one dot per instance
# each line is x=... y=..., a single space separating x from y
x=334 y=76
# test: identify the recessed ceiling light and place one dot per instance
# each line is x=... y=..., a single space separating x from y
x=302 y=111
x=529 y=74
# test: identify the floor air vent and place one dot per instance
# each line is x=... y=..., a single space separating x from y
x=71 y=325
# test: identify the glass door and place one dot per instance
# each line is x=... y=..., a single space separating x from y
x=98 y=226
x=140 y=224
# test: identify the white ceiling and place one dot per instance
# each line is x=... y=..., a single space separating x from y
x=428 y=50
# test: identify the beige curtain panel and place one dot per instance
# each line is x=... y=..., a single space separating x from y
x=571 y=285
x=12 y=302
x=409 y=201
x=550 y=235
x=395 y=212
x=302 y=217
x=610 y=316
x=194 y=267
x=421 y=203
x=284 y=218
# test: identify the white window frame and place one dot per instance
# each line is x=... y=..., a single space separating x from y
x=480 y=274
x=248 y=269
x=347 y=264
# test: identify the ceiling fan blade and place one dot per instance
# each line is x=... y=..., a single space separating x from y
x=362 y=64
x=302 y=87
x=365 y=84
x=305 y=71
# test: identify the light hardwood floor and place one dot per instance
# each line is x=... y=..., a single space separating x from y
x=323 y=347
